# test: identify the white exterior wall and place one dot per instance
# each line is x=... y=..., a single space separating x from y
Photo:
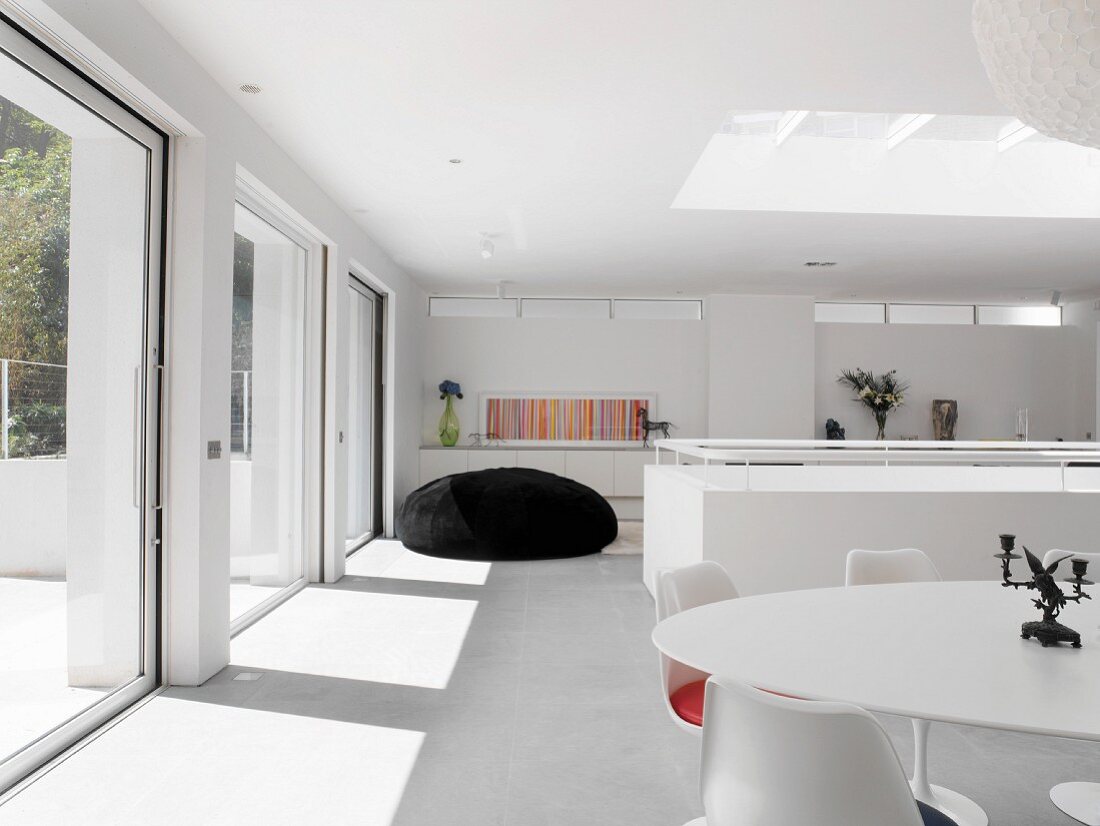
x=33 y=544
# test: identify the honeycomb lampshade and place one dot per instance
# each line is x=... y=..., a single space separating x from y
x=1043 y=58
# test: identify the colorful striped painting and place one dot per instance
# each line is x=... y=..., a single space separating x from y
x=564 y=420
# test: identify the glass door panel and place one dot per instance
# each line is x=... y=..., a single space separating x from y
x=267 y=414
x=364 y=435
x=80 y=184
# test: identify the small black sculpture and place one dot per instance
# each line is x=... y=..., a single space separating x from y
x=833 y=430
x=1051 y=600
x=485 y=440
x=648 y=426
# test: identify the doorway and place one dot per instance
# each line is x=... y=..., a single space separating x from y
x=366 y=389
x=274 y=410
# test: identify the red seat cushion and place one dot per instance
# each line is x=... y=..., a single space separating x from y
x=687 y=702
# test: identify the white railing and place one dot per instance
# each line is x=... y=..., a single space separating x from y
x=830 y=452
x=32 y=409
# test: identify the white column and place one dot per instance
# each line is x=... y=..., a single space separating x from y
x=277 y=414
x=198 y=354
x=105 y=345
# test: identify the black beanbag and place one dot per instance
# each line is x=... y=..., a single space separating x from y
x=506 y=513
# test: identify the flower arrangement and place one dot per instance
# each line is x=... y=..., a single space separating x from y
x=883 y=394
x=448 y=422
x=449 y=388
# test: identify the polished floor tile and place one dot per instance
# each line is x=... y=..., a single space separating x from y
x=417 y=693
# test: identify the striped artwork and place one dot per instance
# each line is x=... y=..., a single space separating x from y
x=564 y=419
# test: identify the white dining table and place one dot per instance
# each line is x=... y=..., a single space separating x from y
x=938 y=651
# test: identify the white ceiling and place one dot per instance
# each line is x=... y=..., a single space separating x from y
x=579 y=121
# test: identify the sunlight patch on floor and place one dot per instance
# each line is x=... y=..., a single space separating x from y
x=386 y=638
x=390 y=559
x=182 y=762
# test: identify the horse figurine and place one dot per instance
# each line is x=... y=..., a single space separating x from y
x=648 y=426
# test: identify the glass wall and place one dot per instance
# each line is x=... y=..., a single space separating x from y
x=268 y=386
x=364 y=434
x=80 y=211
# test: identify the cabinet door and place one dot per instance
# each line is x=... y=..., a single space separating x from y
x=595 y=468
x=435 y=464
x=630 y=470
x=552 y=461
x=485 y=459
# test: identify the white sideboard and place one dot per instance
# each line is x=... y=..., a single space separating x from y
x=616 y=473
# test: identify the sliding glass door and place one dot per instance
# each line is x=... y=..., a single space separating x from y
x=268 y=413
x=81 y=208
x=365 y=338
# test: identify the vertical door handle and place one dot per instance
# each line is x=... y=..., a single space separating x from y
x=137 y=439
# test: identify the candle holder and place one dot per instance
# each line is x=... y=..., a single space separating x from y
x=1051 y=600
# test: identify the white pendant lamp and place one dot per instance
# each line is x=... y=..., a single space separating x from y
x=1043 y=59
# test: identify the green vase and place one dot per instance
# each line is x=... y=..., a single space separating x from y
x=448 y=425
x=880 y=421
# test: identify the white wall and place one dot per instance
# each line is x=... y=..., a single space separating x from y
x=33 y=543
x=667 y=358
x=989 y=370
x=1080 y=320
x=130 y=52
x=761 y=366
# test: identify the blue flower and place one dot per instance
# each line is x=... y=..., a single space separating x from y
x=449 y=388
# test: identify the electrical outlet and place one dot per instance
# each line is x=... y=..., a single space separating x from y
x=214 y=449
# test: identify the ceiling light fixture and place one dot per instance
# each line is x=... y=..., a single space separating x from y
x=250 y=88
x=1043 y=60
x=455 y=160
x=787 y=124
x=487 y=247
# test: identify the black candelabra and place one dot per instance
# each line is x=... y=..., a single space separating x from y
x=1051 y=599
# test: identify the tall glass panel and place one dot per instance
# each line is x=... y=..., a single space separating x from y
x=364 y=414
x=267 y=414
x=75 y=195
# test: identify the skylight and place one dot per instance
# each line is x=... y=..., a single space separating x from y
x=895 y=163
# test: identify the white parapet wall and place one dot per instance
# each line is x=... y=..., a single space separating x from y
x=784 y=518
x=33 y=523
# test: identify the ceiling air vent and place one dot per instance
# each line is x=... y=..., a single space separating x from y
x=250 y=88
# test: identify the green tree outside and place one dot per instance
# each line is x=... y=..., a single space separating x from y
x=35 y=174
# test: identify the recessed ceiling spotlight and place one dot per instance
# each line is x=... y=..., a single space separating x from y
x=250 y=88
x=487 y=247
x=455 y=160
x=820 y=264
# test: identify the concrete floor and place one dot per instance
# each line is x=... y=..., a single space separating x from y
x=420 y=691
